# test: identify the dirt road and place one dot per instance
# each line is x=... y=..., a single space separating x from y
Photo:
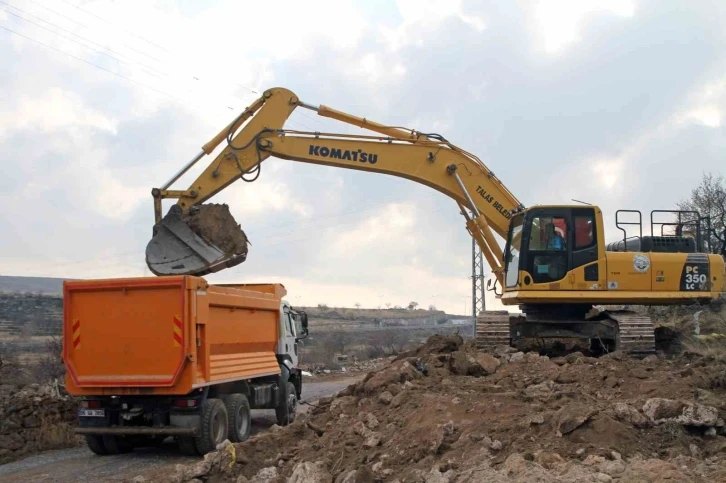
x=79 y=464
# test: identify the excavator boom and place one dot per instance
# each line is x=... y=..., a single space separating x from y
x=259 y=133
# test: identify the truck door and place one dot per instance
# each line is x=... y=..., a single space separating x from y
x=288 y=342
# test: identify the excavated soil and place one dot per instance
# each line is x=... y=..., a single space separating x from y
x=216 y=224
x=446 y=413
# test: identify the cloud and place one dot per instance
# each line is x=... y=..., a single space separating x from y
x=560 y=22
x=628 y=94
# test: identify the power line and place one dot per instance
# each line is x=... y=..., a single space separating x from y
x=71 y=39
x=129 y=79
x=144 y=66
x=117 y=26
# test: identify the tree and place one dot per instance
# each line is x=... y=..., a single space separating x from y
x=432 y=308
x=388 y=305
x=357 y=305
x=339 y=341
x=323 y=308
x=709 y=199
x=412 y=305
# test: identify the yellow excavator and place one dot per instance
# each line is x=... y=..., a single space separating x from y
x=555 y=264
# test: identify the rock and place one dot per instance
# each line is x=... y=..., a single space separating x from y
x=603 y=477
x=567 y=377
x=516 y=357
x=341 y=404
x=435 y=476
x=630 y=415
x=580 y=452
x=695 y=451
x=385 y=397
x=441 y=344
x=537 y=419
x=372 y=441
x=575 y=358
x=616 y=355
x=495 y=445
x=361 y=475
x=307 y=472
x=651 y=359
x=12 y=442
x=698 y=415
x=242 y=479
x=463 y=364
x=370 y=420
x=571 y=417
x=548 y=460
x=542 y=391
x=399 y=372
x=138 y=479
x=710 y=432
x=265 y=475
x=398 y=399
x=659 y=409
x=488 y=362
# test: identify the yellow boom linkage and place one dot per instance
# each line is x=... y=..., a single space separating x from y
x=425 y=158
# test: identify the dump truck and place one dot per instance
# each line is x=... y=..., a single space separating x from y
x=151 y=358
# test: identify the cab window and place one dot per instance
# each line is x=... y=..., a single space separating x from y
x=584 y=233
x=549 y=233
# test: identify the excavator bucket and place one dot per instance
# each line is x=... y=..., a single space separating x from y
x=204 y=240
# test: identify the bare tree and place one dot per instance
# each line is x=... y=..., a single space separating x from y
x=51 y=365
x=339 y=341
x=323 y=308
x=388 y=305
x=357 y=305
x=412 y=305
x=709 y=199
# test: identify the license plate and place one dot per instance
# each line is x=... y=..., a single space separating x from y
x=92 y=413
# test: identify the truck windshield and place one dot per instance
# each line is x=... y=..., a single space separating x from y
x=514 y=243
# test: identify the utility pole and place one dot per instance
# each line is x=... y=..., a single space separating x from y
x=478 y=303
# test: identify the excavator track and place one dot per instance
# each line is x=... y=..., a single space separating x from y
x=636 y=334
x=492 y=329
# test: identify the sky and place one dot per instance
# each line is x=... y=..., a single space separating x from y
x=619 y=103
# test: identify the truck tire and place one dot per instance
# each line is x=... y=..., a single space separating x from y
x=95 y=444
x=117 y=444
x=287 y=408
x=187 y=446
x=213 y=426
x=239 y=417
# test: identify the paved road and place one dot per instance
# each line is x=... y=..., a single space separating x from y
x=80 y=465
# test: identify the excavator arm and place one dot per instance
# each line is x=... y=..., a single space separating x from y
x=259 y=133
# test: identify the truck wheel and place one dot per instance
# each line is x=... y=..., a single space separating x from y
x=95 y=444
x=187 y=446
x=213 y=426
x=117 y=444
x=287 y=409
x=239 y=416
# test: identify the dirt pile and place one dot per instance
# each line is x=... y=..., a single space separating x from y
x=446 y=413
x=34 y=418
x=216 y=224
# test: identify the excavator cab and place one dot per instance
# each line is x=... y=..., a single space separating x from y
x=546 y=244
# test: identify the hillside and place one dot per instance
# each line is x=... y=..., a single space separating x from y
x=36 y=285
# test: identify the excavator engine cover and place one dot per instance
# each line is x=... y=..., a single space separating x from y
x=204 y=240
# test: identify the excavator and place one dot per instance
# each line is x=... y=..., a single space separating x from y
x=555 y=265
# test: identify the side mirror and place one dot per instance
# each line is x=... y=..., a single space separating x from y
x=304 y=323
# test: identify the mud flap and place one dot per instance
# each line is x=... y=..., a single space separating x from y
x=176 y=250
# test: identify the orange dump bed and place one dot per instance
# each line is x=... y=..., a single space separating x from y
x=166 y=335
